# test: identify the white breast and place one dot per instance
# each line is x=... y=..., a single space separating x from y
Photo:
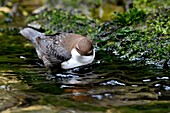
x=77 y=60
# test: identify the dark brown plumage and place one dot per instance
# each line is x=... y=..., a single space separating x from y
x=58 y=48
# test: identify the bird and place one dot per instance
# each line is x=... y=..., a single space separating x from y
x=61 y=50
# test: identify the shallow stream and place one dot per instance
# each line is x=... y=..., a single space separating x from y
x=101 y=86
x=118 y=87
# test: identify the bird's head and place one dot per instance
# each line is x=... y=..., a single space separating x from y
x=84 y=47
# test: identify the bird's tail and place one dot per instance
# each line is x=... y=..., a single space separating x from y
x=31 y=34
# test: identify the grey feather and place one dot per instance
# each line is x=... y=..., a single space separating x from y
x=31 y=34
x=48 y=48
x=53 y=52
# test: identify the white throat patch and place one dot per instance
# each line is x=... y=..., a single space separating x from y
x=77 y=60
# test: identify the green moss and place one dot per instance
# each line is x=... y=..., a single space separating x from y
x=59 y=21
x=130 y=17
x=132 y=39
x=150 y=5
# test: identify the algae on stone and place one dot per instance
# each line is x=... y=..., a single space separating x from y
x=139 y=37
x=136 y=35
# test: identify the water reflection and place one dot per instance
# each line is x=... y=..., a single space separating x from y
x=104 y=84
x=113 y=83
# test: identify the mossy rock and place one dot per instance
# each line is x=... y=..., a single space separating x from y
x=134 y=35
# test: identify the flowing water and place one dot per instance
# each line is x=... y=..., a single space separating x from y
x=26 y=85
x=118 y=87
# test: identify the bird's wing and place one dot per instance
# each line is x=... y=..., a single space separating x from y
x=52 y=50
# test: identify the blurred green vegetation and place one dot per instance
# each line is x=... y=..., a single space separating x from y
x=150 y=5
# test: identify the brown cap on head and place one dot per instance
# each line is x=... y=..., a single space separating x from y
x=84 y=47
x=82 y=44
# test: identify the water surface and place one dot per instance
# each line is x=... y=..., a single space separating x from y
x=25 y=84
